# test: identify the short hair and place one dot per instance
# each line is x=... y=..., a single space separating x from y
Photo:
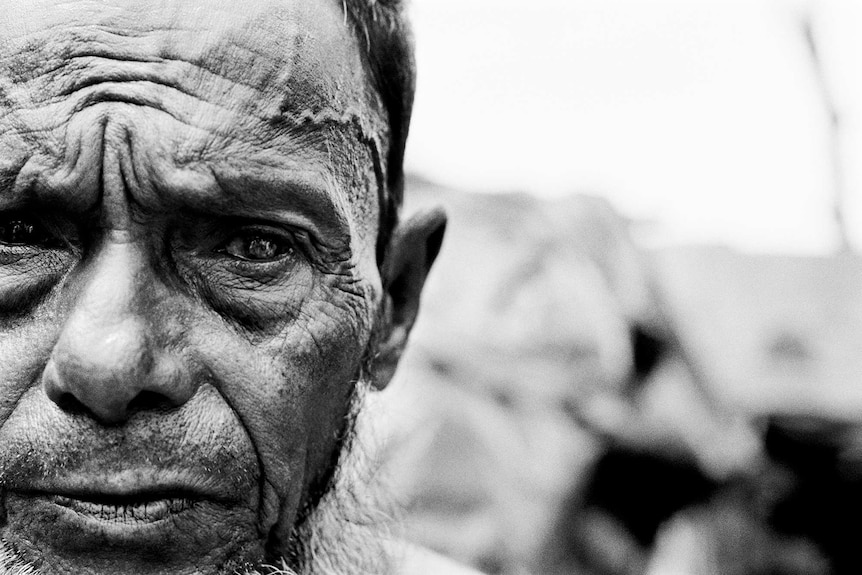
x=383 y=27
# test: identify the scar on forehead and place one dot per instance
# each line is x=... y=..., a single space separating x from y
x=317 y=117
x=372 y=136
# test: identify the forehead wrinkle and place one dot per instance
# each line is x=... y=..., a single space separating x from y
x=336 y=96
x=163 y=88
x=89 y=65
x=51 y=67
x=68 y=181
x=225 y=46
x=261 y=46
x=258 y=51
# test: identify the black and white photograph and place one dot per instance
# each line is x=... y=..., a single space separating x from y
x=430 y=287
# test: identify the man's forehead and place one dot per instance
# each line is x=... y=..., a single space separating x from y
x=299 y=49
x=223 y=80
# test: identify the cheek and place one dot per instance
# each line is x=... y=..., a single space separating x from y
x=24 y=349
x=202 y=439
x=291 y=394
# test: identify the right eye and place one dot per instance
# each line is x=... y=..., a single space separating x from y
x=33 y=257
x=21 y=230
x=259 y=245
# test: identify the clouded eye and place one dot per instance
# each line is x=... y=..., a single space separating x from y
x=257 y=245
x=20 y=230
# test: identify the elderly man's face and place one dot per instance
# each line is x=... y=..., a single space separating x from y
x=188 y=276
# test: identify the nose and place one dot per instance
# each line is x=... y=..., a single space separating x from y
x=108 y=360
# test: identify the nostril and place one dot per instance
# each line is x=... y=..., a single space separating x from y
x=144 y=401
x=70 y=404
x=110 y=393
x=148 y=400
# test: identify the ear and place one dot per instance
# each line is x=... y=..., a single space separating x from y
x=412 y=250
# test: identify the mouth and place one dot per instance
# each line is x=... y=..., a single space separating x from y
x=133 y=516
x=130 y=499
x=131 y=509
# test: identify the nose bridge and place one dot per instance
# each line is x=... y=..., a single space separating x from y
x=105 y=320
x=105 y=358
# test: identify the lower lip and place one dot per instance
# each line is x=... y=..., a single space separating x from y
x=124 y=512
x=97 y=527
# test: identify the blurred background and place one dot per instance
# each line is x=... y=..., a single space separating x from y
x=640 y=350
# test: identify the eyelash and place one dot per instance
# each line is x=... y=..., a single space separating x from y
x=13 y=223
x=298 y=247
x=42 y=240
x=282 y=241
x=35 y=254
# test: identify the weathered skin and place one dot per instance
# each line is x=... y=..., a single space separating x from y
x=184 y=321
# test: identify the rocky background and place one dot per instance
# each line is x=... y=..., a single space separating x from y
x=572 y=403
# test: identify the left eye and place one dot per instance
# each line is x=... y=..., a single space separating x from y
x=258 y=246
x=23 y=231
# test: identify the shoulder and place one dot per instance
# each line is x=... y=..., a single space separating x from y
x=414 y=560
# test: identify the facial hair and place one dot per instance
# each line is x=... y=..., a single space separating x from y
x=350 y=528
x=10 y=564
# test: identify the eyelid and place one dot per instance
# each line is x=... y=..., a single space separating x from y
x=257 y=228
x=297 y=245
x=56 y=235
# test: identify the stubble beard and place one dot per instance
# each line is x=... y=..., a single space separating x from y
x=351 y=527
x=348 y=529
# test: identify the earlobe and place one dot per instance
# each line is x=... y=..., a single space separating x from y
x=412 y=250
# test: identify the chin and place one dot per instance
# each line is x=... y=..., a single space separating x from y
x=14 y=563
x=58 y=534
x=148 y=497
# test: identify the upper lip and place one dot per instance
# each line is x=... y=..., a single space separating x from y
x=125 y=487
x=126 y=498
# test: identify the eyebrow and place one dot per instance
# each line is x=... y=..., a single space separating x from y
x=7 y=183
x=305 y=198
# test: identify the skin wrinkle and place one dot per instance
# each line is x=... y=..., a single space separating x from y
x=313 y=118
x=310 y=317
x=308 y=121
x=289 y=401
x=24 y=332
x=336 y=279
x=202 y=63
x=93 y=97
x=367 y=215
x=10 y=167
x=127 y=172
x=72 y=458
x=85 y=35
x=114 y=200
x=71 y=174
x=265 y=482
x=36 y=368
x=117 y=76
x=305 y=121
x=326 y=243
x=60 y=267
